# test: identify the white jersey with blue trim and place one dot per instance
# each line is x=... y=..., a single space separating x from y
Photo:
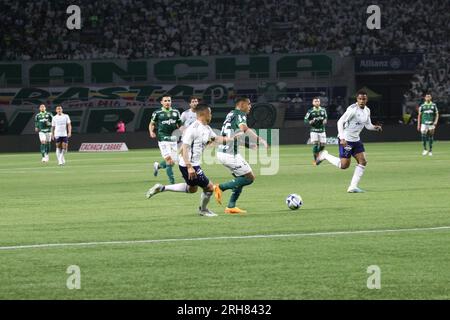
x=60 y=123
x=188 y=117
x=196 y=136
x=353 y=121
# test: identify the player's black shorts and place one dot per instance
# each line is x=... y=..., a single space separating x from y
x=62 y=139
x=201 y=180
x=352 y=149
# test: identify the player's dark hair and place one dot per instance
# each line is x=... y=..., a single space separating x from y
x=164 y=96
x=361 y=93
x=427 y=94
x=316 y=98
x=193 y=97
x=201 y=107
x=240 y=99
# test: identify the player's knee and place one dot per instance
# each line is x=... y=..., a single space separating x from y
x=209 y=188
x=192 y=189
x=363 y=162
x=345 y=165
x=169 y=161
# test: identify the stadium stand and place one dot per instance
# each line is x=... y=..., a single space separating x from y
x=161 y=28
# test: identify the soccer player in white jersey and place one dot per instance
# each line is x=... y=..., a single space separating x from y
x=195 y=138
x=189 y=116
x=350 y=126
x=61 y=132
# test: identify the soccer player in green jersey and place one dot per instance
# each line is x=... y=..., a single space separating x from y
x=43 y=126
x=162 y=125
x=316 y=117
x=227 y=154
x=426 y=123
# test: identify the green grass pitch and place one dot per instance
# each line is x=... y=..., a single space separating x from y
x=100 y=198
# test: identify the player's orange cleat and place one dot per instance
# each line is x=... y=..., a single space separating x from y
x=217 y=193
x=234 y=210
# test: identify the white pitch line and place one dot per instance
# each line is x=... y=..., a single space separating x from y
x=262 y=236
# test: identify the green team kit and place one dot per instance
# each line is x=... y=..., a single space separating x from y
x=228 y=155
x=166 y=122
x=231 y=124
x=317 y=130
x=318 y=115
x=43 y=124
x=428 y=115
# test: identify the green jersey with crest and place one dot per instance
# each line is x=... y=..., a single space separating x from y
x=43 y=121
x=166 y=122
x=318 y=115
x=428 y=113
x=231 y=125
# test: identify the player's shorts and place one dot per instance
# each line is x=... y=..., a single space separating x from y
x=424 y=128
x=45 y=136
x=168 y=149
x=352 y=149
x=235 y=163
x=318 y=137
x=201 y=180
x=62 y=139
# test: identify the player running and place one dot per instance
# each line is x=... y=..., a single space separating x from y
x=350 y=126
x=189 y=116
x=316 y=117
x=165 y=120
x=426 y=123
x=43 y=125
x=61 y=132
x=227 y=154
x=196 y=137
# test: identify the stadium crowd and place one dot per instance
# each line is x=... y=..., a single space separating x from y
x=433 y=74
x=36 y=30
x=133 y=29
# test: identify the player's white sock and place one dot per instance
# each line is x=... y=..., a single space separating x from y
x=359 y=171
x=204 y=200
x=63 y=151
x=333 y=160
x=179 y=187
x=58 y=154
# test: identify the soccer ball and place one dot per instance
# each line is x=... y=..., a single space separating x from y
x=294 y=201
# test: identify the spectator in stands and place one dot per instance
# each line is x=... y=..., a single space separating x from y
x=120 y=127
x=132 y=28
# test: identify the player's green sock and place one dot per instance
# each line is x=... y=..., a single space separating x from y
x=316 y=149
x=234 y=197
x=430 y=141
x=43 y=150
x=162 y=164
x=236 y=182
x=321 y=148
x=424 y=141
x=169 y=172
